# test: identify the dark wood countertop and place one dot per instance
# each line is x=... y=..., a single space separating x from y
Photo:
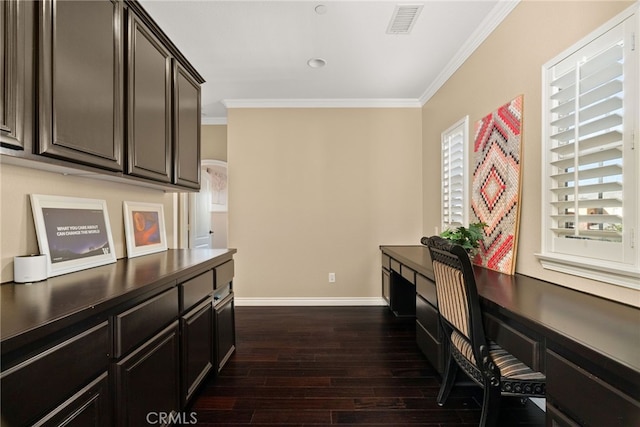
x=573 y=319
x=31 y=311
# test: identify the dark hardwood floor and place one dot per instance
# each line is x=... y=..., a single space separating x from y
x=320 y=366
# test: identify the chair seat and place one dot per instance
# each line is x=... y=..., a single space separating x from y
x=513 y=373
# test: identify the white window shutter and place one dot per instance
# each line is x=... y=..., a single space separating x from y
x=455 y=193
x=591 y=115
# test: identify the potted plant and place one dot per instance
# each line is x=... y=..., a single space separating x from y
x=467 y=237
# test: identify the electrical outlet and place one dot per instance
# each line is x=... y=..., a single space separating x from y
x=332 y=277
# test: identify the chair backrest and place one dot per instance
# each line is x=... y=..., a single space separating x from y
x=457 y=294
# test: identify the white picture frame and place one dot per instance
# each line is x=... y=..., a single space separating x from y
x=74 y=233
x=144 y=228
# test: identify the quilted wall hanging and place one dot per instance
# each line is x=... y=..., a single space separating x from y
x=495 y=196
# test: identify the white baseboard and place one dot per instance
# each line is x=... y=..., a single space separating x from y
x=239 y=301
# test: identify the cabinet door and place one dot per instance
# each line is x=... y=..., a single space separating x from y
x=41 y=383
x=225 y=331
x=197 y=348
x=80 y=82
x=16 y=77
x=186 y=110
x=89 y=407
x=149 y=101
x=147 y=380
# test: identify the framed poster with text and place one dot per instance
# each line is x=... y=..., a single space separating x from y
x=73 y=232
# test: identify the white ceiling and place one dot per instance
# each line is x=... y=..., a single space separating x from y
x=255 y=53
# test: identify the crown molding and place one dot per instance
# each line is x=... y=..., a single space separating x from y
x=486 y=27
x=322 y=103
x=213 y=120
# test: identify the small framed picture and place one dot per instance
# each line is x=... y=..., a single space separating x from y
x=73 y=232
x=144 y=228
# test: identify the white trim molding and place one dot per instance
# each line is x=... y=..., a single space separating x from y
x=213 y=120
x=363 y=301
x=601 y=271
x=322 y=103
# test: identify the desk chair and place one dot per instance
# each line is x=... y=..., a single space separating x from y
x=485 y=362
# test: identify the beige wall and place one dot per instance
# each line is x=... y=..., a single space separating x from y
x=17 y=230
x=313 y=191
x=213 y=142
x=507 y=64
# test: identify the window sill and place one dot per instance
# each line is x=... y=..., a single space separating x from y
x=628 y=277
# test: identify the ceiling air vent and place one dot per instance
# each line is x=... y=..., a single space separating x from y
x=404 y=16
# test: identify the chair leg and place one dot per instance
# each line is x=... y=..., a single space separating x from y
x=449 y=378
x=490 y=405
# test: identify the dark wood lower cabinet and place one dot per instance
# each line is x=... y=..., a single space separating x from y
x=429 y=334
x=134 y=358
x=197 y=348
x=147 y=381
x=89 y=407
x=34 y=389
x=225 y=330
x=579 y=397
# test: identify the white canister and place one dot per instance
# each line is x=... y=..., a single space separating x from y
x=29 y=268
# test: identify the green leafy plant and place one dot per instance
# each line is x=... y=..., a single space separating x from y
x=469 y=238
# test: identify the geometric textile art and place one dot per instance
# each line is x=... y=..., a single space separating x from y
x=495 y=195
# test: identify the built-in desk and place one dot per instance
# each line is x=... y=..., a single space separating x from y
x=589 y=347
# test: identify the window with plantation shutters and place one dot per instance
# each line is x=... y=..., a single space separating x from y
x=590 y=105
x=455 y=203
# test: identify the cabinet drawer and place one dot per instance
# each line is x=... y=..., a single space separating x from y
x=525 y=348
x=427 y=315
x=195 y=290
x=427 y=289
x=395 y=265
x=140 y=322
x=386 y=261
x=587 y=399
x=224 y=274
x=41 y=383
x=408 y=274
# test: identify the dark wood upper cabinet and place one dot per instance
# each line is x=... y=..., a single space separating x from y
x=149 y=103
x=16 y=73
x=81 y=82
x=97 y=86
x=186 y=119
